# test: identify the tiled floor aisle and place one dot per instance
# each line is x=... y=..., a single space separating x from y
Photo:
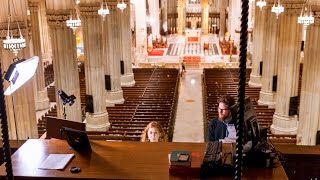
x=189 y=119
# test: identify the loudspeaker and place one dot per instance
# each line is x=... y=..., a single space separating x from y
x=89 y=103
x=293 y=107
x=274 y=83
x=107 y=80
x=318 y=138
x=261 y=66
x=122 y=67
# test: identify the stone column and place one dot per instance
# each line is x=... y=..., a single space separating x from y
x=269 y=53
x=44 y=34
x=205 y=16
x=127 y=79
x=63 y=41
x=20 y=105
x=234 y=21
x=113 y=49
x=309 y=117
x=288 y=71
x=98 y=120
x=42 y=100
x=141 y=31
x=258 y=42
x=181 y=9
x=154 y=14
x=164 y=15
x=223 y=6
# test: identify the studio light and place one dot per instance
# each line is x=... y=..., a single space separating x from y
x=20 y=72
x=65 y=98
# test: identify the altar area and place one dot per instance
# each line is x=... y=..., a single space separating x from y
x=202 y=51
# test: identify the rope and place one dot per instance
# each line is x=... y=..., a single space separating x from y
x=241 y=87
x=4 y=130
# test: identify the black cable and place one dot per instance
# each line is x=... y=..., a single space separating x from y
x=241 y=86
x=4 y=129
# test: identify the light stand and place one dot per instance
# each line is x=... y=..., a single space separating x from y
x=65 y=99
x=15 y=120
x=64 y=112
x=17 y=74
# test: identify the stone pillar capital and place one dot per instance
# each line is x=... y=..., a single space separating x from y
x=58 y=18
x=90 y=9
x=33 y=5
x=14 y=31
x=316 y=15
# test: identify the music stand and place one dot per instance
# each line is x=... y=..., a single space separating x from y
x=55 y=127
x=77 y=139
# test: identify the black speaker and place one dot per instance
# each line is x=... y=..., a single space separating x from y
x=122 y=66
x=261 y=66
x=293 y=107
x=89 y=103
x=107 y=80
x=274 y=83
x=318 y=138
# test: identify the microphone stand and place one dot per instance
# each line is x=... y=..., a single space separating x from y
x=64 y=111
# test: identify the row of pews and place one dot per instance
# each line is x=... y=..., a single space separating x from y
x=153 y=98
x=48 y=75
x=218 y=82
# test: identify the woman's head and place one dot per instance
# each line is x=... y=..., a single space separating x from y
x=153 y=133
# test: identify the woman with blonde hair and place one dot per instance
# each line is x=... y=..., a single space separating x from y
x=153 y=133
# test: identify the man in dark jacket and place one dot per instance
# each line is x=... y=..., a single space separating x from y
x=217 y=128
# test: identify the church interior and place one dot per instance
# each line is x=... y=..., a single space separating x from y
x=113 y=66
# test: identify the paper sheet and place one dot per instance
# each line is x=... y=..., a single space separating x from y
x=56 y=161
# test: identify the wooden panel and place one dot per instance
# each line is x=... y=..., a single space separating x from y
x=114 y=160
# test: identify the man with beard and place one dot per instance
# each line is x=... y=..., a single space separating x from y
x=218 y=126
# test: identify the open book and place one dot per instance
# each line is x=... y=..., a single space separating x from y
x=56 y=161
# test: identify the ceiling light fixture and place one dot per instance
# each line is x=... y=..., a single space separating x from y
x=103 y=11
x=121 y=5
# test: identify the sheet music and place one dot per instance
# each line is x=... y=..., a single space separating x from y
x=56 y=161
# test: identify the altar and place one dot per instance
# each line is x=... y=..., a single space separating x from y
x=193 y=35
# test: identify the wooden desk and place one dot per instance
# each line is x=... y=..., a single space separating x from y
x=113 y=160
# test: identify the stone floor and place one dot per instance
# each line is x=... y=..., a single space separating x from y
x=189 y=118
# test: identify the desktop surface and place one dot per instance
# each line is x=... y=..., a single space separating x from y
x=114 y=160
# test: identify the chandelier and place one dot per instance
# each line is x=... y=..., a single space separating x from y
x=11 y=43
x=121 y=5
x=133 y=1
x=306 y=17
x=261 y=4
x=103 y=11
x=74 y=23
x=277 y=9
